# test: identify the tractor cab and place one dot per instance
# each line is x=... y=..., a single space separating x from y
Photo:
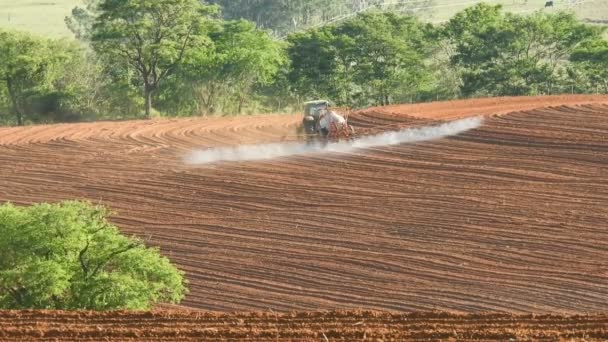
x=312 y=110
x=331 y=126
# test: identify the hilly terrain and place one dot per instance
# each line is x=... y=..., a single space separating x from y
x=47 y=17
x=509 y=216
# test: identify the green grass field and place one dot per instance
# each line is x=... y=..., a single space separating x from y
x=443 y=10
x=46 y=17
x=41 y=17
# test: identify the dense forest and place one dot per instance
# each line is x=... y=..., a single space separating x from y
x=134 y=59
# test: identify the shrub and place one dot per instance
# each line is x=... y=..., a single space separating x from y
x=68 y=256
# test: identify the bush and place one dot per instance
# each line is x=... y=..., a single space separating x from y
x=68 y=256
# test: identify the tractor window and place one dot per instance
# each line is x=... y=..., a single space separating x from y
x=314 y=110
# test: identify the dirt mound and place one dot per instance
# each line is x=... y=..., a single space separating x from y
x=312 y=326
x=507 y=217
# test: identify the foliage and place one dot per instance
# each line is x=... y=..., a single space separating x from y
x=182 y=56
x=375 y=58
x=150 y=37
x=285 y=16
x=509 y=54
x=239 y=58
x=82 y=19
x=26 y=67
x=591 y=58
x=45 y=80
x=67 y=256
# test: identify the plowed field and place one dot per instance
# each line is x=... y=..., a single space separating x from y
x=329 y=326
x=511 y=216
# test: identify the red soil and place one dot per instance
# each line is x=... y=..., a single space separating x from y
x=314 y=326
x=508 y=217
x=450 y=110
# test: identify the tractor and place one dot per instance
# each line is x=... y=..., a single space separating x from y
x=321 y=123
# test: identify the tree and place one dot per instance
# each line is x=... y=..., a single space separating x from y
x=373 y=59
x=314 y=64
x=239 y=58
x=592 y=58
x=25 y=65
x=152 y=37
x=281 y=16
x=510 y=54
x=82 y=19
x=386 y=54
x=67 y=256
x=46 y=80
x=286 y=16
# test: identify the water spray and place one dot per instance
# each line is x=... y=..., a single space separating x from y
x=279 y=150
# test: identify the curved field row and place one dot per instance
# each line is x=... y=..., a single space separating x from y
x=314 y=326
x=160 y=133
x=458 y=109
x=507 y=217
x=206 y=132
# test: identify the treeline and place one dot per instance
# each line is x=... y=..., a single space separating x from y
x=285 y=16
x=136 y=59
x=382 y=58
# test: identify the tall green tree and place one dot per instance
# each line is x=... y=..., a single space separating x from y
x=386 y=54
x=510 y=54
x=151 y=37
x=86 y=88
x=592 y=58
x=251 y=58
x=26 y=65
x=239 y=59
x=375 y=58
x=46 y=80
x=68 y=256
x=315 y=66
